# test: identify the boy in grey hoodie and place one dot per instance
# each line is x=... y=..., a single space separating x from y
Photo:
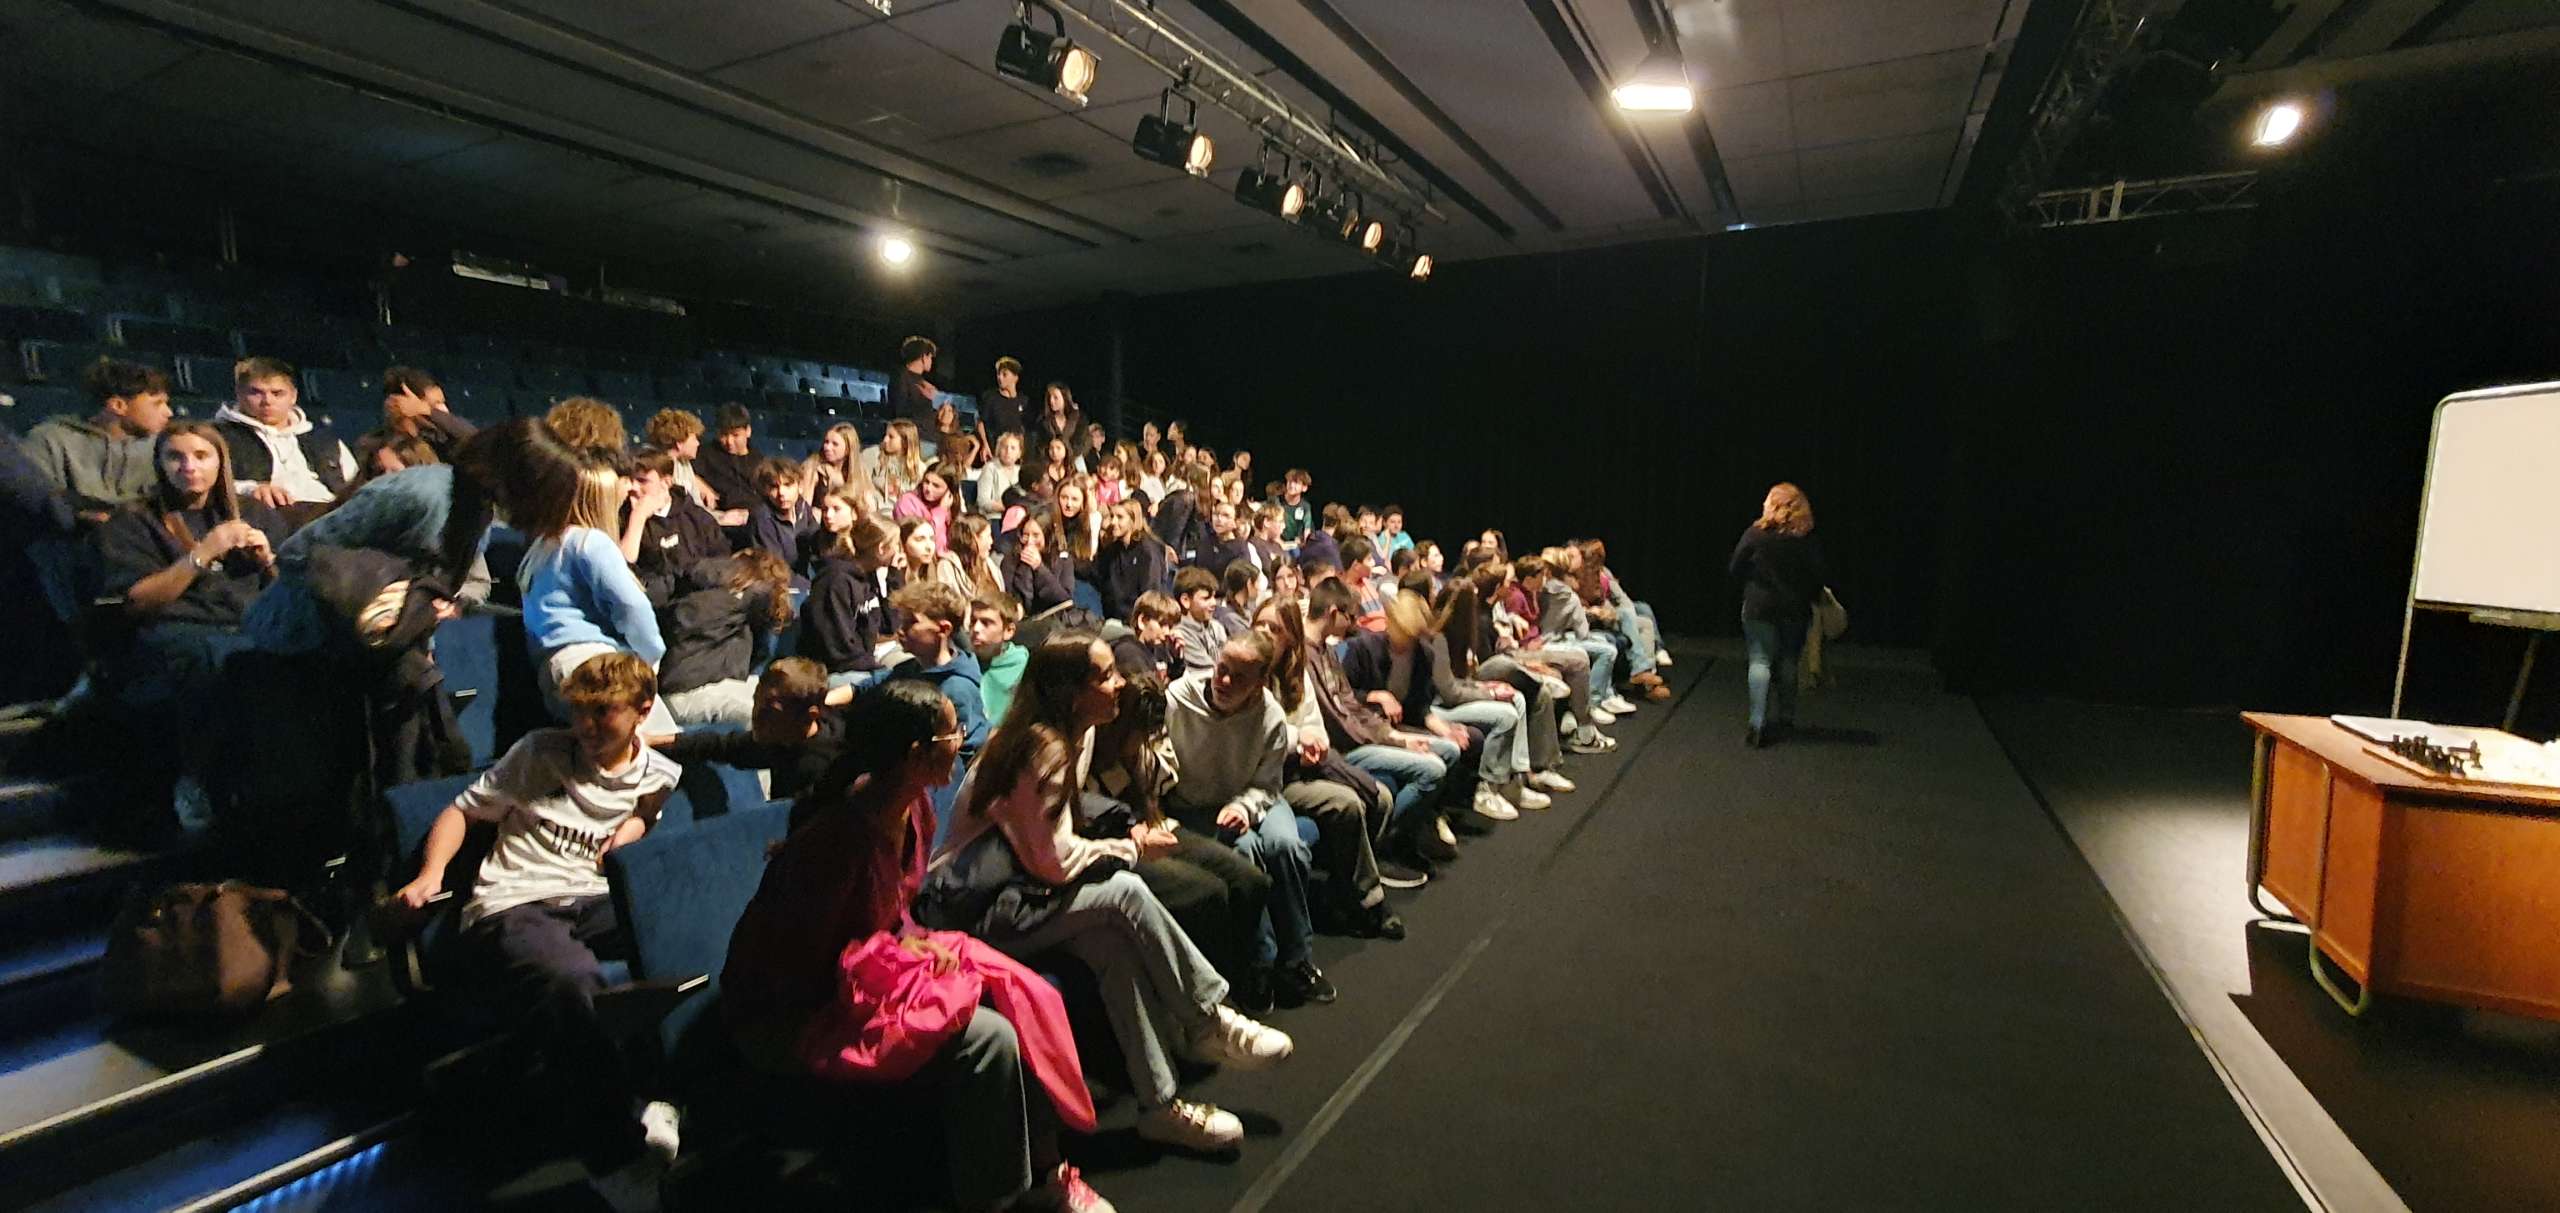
x=1231 y=746
x=104 y=461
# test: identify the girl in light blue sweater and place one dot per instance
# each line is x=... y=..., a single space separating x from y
x=580 y=597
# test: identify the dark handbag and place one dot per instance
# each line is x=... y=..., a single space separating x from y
x=205 y=950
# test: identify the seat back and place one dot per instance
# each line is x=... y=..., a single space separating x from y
x=679 y=894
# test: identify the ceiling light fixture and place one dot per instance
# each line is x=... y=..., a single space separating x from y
x=2277 y=124
x=1659 y=86
x=1170 y=143
x=1049 y=58
x=1404 y=255
x=897 y=250
x=1272 y=193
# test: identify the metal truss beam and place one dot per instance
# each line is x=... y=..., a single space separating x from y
x=2118 y=201
x=2102 y=47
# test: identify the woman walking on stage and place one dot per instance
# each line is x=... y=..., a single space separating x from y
x=1780 y=566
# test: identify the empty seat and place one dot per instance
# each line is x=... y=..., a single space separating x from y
x=30 y=403
x=479 y=369
x=204 y=376
x=777 y=381
x=829 y=389
x=559 y=381
x=729 y=378
x=22 y=323
x=866 y=391
x=807 y=369
x=875 y=410
x=167 y=336
x=305 y=350
x=346 y=391
x=62 y=361
x=787 y=402
x=839 y=371
x=410 y=337
x=675 y=387
x=878 y=377
x=501 y=348
x=623 y=385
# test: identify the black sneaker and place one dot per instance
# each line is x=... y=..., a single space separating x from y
x=1398 y=874
x=1303 y=983
x=1427 y=846
x=1252 y=993
x=1470 y=824
x=1379 y=922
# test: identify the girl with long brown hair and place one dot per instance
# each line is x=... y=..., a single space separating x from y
x=186 y=560
x=1781 y=570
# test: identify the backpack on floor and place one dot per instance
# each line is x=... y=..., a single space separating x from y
x=205 y=951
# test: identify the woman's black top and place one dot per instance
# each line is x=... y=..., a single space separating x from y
x=1041 y=588
x=133 y=544
x=1781 y=574
x=1123 y=571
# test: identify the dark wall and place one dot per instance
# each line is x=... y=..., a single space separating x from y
x=1646 y=394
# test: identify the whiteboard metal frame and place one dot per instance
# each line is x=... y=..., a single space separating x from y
x=2498 y=616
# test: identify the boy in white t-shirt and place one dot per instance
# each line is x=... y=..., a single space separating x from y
x=539 y=923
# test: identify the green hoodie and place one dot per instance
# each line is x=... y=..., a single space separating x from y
x=1000 y=675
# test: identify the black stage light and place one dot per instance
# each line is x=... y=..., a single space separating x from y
x=1344 y=217
x=1404 y=255
x=1272 y=193
x=1174 y=144
x=1046 y=58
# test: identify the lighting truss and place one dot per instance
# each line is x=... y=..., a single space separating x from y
x=1158 y=41
x=2102 y=47
x=2118 y=201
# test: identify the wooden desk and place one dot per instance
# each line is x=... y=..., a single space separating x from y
x=2411 y=885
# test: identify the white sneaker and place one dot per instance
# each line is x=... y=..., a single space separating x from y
x=1192 y=1126
x=1600 y=714
x=1662 y=657
x=1550 y=781
x=1231 y=1039
x=1597 y=743
x=1440 y=825
x=1617 y=705
x=661 y=1128
x=1491 y=806
x=1532 y=799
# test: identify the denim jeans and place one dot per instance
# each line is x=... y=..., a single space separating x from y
x=1416 y=778
x=1506 y=750
x=1772 y=648
x=1288 y=931
x=1604 y=663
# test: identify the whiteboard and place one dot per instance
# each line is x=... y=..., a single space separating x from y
x=2489 y=530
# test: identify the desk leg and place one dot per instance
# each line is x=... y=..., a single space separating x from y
x=2261 y=764
x=2357 y=1005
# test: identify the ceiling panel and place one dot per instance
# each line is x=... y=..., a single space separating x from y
x=1905 y=162
x=1761 y=182
x=1895 y=97
x=93 y=56
x=1013 y=155
x=1750 y=120
x=1826 y=35
x=1176 y=206
x=701 y=34
x=1726 y=43
x=1527 y=110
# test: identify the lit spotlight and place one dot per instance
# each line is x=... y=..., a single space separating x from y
x=897 y=250
x=1174 y=144
x=2277 y=124
x=1272 y=193
x=1048 y=58
x=1659 y=86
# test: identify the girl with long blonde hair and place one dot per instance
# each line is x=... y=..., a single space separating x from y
x=1781 y=569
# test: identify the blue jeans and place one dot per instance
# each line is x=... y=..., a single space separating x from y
x=1288 y=930
x=1416 y=778
x=1604 y=663
x=1506 y=749
x=1772 y=648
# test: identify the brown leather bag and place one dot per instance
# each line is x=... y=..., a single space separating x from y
x=205 y=950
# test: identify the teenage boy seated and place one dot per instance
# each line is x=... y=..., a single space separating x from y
x=1231 y=747
x=1199 y=634
x=1226 y=543
x=1368 y=590
x=1298 y=515
x=847 y=615
x=936 y=616
x=1263 y=528
x=1151 y=645
x=728 y=470
x=992 y=621
x=278 y=454
x=779 y=521
x=539 y=924
x=663 y=531
x=792 y=735
x=105 y=461
x=679 y=434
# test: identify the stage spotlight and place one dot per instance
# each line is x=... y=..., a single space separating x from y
x=1170 y=143
x=1368 y=235
x=1272 y=193
x=1339 y=216
x=897 y=250
x=1046 y=58
x=1405 y=256
x=2277 y=124
x=1660 y=86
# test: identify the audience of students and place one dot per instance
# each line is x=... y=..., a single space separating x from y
x=1130 y=796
